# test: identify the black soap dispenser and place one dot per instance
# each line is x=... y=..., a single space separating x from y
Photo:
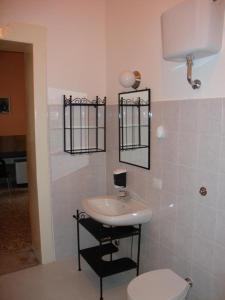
x=120 y=181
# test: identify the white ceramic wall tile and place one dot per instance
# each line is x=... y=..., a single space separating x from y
x=219 y=261
x=210 y=116
x=184 y=242
x=222 y=155
x=205 y=221
x=168 y=206
x=168 y=259
x=55 y=141
x=168 y=239
x=157 y=116
x=156 y=148
x=210 y=181
x=187 y=149
x=68 y=190
x=187 y=182
x=154 y=257
x=171 y=115
x=188 y=237
x=203 y=284
x=218 y=288
x=168 y=234
x=209 y=152
x=170 y=147
x=188 y=121
x=169 y=177
x=55 y=113
x=221 y=192
x=154 y=229
x=220 y=228
x=223 y=116
x=185 y=211
x=154 y=200
x=156 y=169
x=182 y=267
x=202 y=252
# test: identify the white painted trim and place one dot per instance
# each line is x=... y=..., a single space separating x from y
x=36 y=36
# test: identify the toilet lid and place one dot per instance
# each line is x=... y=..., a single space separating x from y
x=157 y=285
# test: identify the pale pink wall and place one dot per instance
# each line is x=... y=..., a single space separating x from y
x=12 y=84
x=134 y=42
x=75 y=40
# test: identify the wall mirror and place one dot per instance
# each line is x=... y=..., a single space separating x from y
x=134 y=128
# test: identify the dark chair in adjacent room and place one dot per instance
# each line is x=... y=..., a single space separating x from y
x=4 y=175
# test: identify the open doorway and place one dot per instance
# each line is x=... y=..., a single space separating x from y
x=31 y=40
x=16 y=251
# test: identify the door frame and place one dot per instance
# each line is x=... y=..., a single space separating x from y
x=34 y=39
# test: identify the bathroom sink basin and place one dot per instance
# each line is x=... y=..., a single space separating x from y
x=114 y=211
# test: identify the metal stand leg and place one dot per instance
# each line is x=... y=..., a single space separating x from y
x=139 y=248
x=78 y=241
x=111 y=242
x=101 y=297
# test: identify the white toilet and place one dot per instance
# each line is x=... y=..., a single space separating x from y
x=158 y=285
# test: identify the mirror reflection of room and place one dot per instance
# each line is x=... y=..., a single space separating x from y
x=134 y=133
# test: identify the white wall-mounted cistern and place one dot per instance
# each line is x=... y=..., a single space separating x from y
x=191 y=30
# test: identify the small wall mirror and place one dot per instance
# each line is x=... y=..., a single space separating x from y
x=134 y=128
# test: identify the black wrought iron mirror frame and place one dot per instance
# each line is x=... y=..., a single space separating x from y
x=135 y=103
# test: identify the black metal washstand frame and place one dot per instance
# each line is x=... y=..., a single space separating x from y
x=105 y=236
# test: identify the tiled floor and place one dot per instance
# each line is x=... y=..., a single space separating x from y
x=61 y=281
x=15 y=233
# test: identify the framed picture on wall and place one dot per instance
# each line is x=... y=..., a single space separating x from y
x=4 y=105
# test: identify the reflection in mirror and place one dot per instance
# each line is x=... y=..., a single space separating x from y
x=134 y=128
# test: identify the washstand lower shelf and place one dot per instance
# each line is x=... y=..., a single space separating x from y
x=105 y=236
x=102 y=268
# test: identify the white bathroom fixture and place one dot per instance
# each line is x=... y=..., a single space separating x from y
x=161 y=132
x=191 y=30
x=120 y=181
x=130 y=79
x=158 y=285
x=120 y=178
x=112 y=211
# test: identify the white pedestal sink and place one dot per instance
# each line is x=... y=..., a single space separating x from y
x=114 y=211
